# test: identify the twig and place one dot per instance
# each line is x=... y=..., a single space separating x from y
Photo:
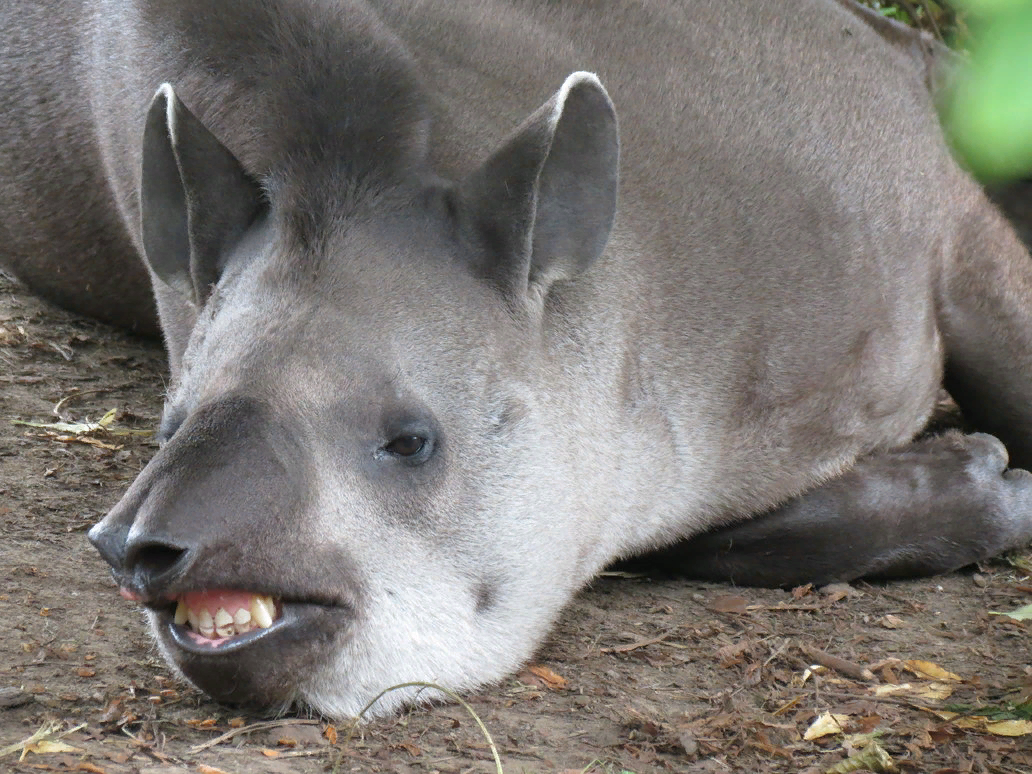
x=931 y=18
x=259 y=726
x=848 y=668
x=639 y=644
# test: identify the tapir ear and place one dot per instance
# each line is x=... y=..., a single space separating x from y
x=195 y=199
x=543 y=204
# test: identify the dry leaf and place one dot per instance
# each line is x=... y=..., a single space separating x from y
x=269 y=753
x=47 y=746
x=86 y=672
x=828 y=723
x=731 y=655
x=238 y=722
x=330 y=732
x=206 y=769
x=1010 y=727
x=871 y=758
x=801 y=591
x=891 y=621
x=929 y=691
x=90 y=767
x=411 y=749
x=928 y=669
x=554 y=681
x=730 y=603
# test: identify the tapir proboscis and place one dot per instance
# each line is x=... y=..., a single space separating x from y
x=465 y=299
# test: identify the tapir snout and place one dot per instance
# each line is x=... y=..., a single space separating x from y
x=221 y=508
x=229 y=473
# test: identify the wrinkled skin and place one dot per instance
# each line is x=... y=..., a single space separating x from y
x=453 y=323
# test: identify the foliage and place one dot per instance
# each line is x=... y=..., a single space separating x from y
x=989 y=113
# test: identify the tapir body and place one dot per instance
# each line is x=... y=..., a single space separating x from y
x=464 y=299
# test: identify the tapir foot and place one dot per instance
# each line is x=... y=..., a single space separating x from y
x=930 y=507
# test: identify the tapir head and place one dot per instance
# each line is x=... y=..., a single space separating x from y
x=365 y=463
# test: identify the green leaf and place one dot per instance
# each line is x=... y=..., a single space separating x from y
x=989 y=114
x=1021 y=614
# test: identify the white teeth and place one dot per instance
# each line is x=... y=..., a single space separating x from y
x=261 y=614
x=205 y=623
x=262 y=611
x=224 y=623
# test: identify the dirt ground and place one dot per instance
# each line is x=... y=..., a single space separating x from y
x=642 y=674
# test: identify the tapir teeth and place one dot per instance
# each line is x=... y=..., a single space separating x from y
x=205 y=623
x=258 y=615
x=262 y=611
x=224 y=623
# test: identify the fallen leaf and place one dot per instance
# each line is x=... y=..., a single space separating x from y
x=330 y=732
x=90 y=767
x=269 y=753
x=930 y=691
x=86 y=672
x=731 y=655
x=730 y=603
x=928 y=669
x=552 y=680
x=826 y=724
x=1010 y=727
x=801 y=591
x=206 y=769
x=237 y=722
x=47 y=746
x=411 y=749
x=871 y=758
x=1021 y=614
x=891 y=621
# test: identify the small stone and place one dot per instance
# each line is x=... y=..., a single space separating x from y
x=689 y=743
x=13 y=697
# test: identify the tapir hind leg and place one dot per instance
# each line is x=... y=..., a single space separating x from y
x=985 y=319
x=930 y=507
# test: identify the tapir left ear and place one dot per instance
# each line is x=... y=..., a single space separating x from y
x=196 y=200
x=544 y=203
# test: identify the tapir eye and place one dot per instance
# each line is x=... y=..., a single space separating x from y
x=406 y=446
x=410 y=440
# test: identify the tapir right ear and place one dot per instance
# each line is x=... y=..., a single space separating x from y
x=196 y=200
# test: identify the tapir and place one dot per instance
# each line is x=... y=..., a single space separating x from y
x=464 y=300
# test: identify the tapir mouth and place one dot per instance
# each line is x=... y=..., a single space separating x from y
x=245 y=647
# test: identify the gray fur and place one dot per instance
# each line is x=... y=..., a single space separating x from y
x=703 y=301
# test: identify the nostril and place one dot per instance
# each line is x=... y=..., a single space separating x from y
x=150 y=563
x=110 y=542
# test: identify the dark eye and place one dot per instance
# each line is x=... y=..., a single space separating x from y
x=406 y=445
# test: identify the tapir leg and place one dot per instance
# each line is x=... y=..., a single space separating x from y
x=930 y=507
x=985 y=318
